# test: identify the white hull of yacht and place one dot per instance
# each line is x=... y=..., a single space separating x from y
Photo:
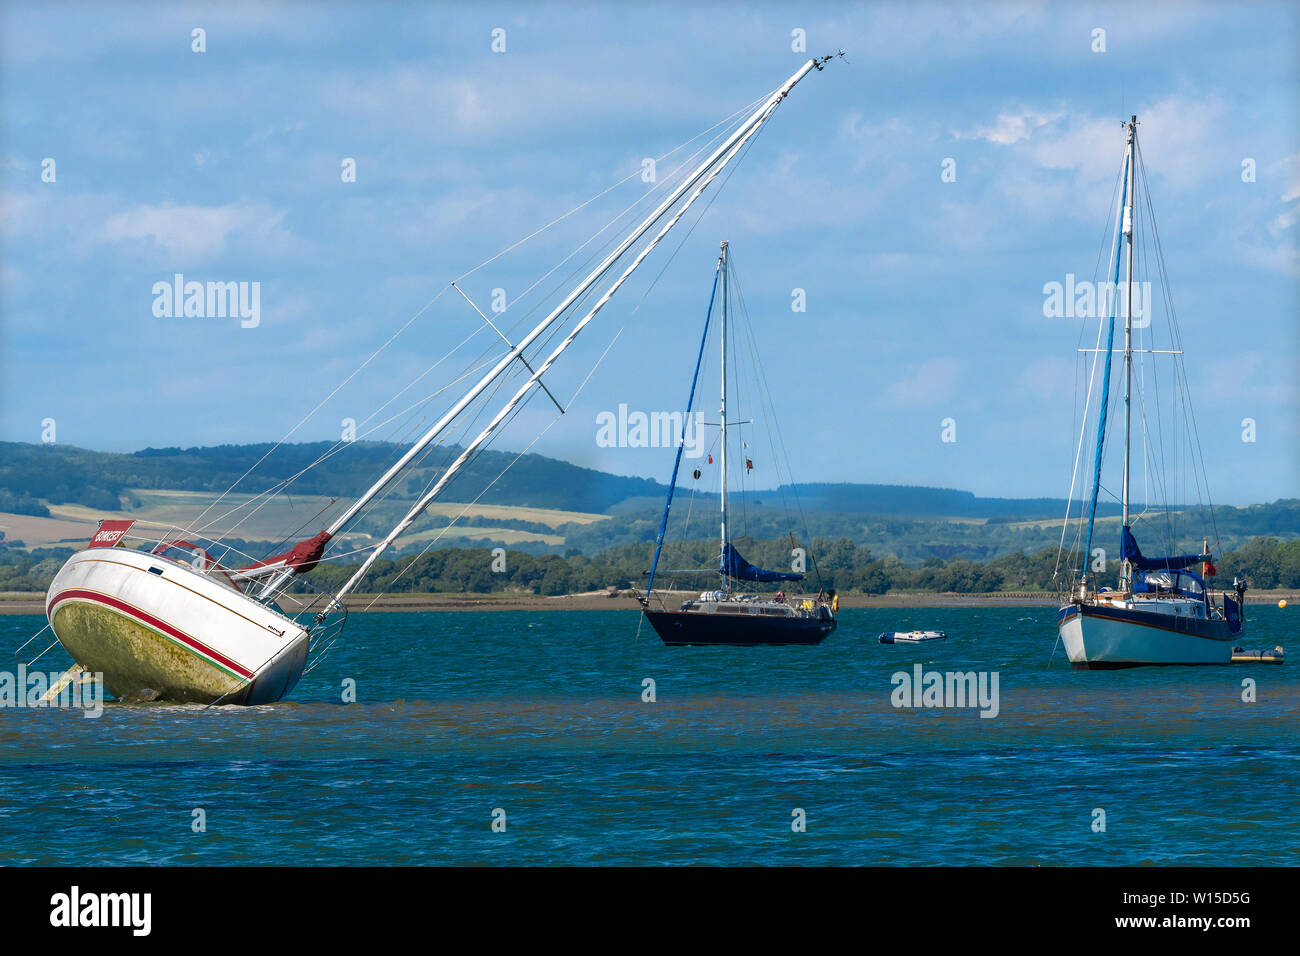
x=1099 y=637
x=158 y=630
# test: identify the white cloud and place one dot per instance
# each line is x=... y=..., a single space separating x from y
x=1010 y=127
x=190 y=233
x=877 y=141
x=1265 y=235
x=1182 y=140
x=1180 y=137
x=1253 y=379
x=434 y=104
x=1289 y=168
x=1092 y=148
x=934 y=380
x=18 y=213
x=1049 y=378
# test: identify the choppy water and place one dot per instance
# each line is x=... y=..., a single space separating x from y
x=540 y=715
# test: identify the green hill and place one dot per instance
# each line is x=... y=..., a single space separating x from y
x=541 y=505
x=64 y=474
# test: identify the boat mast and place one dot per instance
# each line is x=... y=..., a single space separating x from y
x=1125 y=573
x=726 y=565
x=704 y=173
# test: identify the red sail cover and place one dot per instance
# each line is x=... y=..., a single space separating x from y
x=110 y=533
x=304 y=556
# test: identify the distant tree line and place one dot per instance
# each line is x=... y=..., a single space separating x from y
x=22 y=503
x=31 y=570
x=913 y=540
x=1264 y=562
x=839 y=564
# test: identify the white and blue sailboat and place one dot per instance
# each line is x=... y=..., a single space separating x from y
x=1162 y=611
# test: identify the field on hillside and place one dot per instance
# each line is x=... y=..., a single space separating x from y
x=274 y=519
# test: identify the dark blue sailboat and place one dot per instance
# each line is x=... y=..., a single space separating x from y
x=727 y=615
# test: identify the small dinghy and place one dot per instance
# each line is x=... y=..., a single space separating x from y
x=911 y=637
x=1242 y=656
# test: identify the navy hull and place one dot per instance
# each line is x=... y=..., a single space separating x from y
x=678 y=628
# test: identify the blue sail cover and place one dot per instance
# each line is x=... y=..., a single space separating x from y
x=734 y=566
x=1131 y=553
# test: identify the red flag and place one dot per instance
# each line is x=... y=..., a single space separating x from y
x=110 y=533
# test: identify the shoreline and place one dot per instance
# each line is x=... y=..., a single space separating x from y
x=29 y=603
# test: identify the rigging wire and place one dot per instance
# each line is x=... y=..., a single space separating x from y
x=700 y=182
x=280 y=486
x=512 y=463
x=773 y=424
x=339 y=445
x=749 y=106
x=1092 y=375
x=1195 y=449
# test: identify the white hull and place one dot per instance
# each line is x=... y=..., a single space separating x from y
x=157 y=629
x=1096 y=641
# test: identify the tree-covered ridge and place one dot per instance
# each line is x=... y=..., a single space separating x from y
x=926 y=502
x=63 y=474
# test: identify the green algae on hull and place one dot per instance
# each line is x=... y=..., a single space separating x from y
x=138 y=662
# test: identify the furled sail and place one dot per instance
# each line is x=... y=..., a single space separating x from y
x=736 y=567
x=1131 y=553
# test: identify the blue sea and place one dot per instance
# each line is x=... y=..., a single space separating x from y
x=745 y=756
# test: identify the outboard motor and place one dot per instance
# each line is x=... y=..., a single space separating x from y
x=1234 y=611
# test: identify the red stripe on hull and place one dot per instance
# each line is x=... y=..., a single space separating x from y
x=149 y=619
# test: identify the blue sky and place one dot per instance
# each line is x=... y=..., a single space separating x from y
x=924 y=297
